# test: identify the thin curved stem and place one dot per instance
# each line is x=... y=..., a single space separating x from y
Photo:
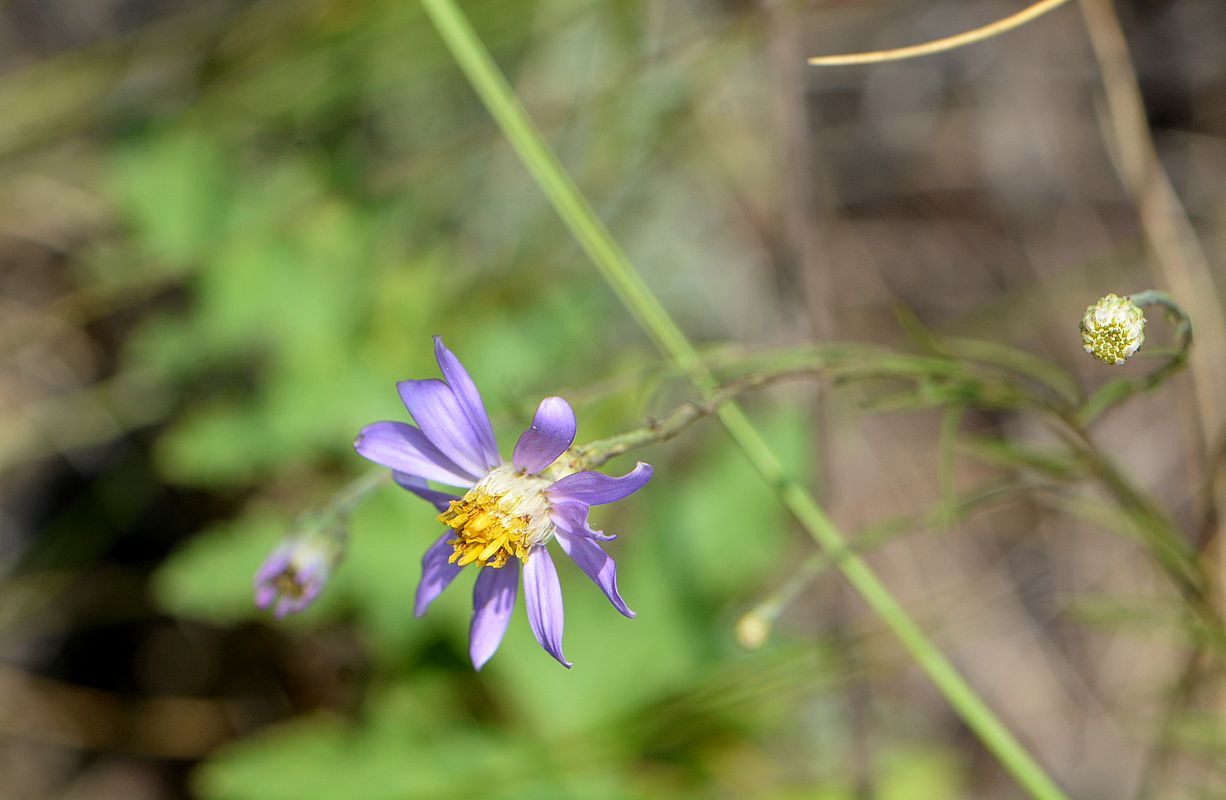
x=941 y=45
x=1119 y=390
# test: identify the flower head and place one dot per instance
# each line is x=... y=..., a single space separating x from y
x=509 y=512
x=293 y=575
x=1113 y=329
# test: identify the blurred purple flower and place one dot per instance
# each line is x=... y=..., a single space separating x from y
x=293 y=575
x=510 y=511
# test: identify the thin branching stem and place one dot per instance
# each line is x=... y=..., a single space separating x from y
x=594 y=454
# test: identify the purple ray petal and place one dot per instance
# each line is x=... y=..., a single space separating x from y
x=552 y=431
x=441 y=417
x=598 y=566
x=594 y=488
x=264 y=595
x=543 y=597
x=493 y=602
x=572 y=518
x=436 y=574
x=470 y=400
x=274 y=565
x=418 y=486
x=403 y=448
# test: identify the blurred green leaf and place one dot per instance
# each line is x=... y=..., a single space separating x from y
x=215 y=444
x=403 y=747
x=173 y=188
x=921 y=774
x=211 y=577
x=725 y=531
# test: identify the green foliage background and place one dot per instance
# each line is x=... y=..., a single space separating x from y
x=329 y=204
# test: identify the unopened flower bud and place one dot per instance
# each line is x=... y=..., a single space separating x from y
x=1113 y=329
x=752 y=630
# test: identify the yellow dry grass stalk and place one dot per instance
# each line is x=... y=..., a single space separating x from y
x=941 y=45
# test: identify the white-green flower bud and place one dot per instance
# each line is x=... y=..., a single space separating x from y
x=1113 y=329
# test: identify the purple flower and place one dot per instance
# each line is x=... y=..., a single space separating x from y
x=510 y=512
x=293 y=575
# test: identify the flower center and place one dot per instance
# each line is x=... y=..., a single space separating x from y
x=1113 y=329
x=504 y=516
x=1112 y=343
x=288 y=584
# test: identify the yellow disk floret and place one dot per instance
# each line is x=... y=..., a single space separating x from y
x=1113 y=329
x=486 y=533
x=504 y=516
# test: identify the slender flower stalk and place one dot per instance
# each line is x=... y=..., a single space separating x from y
x=500 y=100
x=510 y=512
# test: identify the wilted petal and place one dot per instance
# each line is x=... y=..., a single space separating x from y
x=543 y=597
x=572 y=518
x=293 y=575
x=403 y=448
x=493 y=602
x=418 y=486
x=436 y=574
x=553 y=430
x=594 y=488
x=441 y=417
x=470 y=400
x=597 y=564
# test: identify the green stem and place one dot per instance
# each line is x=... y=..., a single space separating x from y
x=330 y=517
x=498 y=97
x=351 y=495
x=594 y=454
